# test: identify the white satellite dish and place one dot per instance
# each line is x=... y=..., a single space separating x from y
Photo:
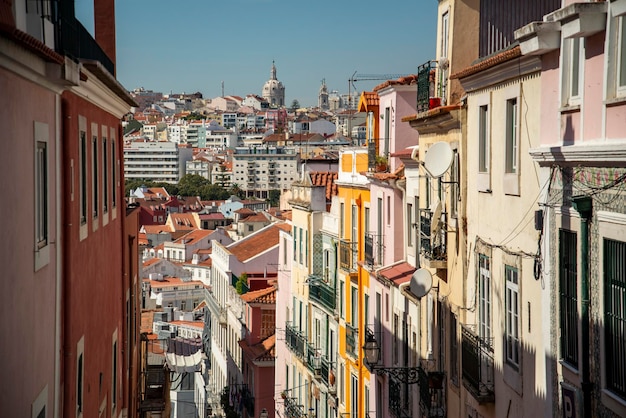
x=438 y=159
x=421 y=283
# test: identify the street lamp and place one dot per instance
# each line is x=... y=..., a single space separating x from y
x=371 y=351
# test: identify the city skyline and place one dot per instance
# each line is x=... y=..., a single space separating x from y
x=238 y=48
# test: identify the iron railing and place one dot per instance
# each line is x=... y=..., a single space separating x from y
x=322 y=293
x=76 y=42
x=352 y=340
x=293 y=409
x=398 y=406
x=374 y=249
x=477 y=361
x=432 y=243
x=348 y=255
x=296 y=341
x=425 y=85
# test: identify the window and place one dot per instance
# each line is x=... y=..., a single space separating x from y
x=409 y=224
x=105 y=176
x=355 y=307
x=94 y=176
x=79 y=384
x=341 y=299
x=455 y=187
x=114 y=376
x=388 y=210
x=568 y=301
x=484 y=309
x=41 y=194
x=621 y=55
x=454 y=351
x=572 y=71
x=615 y=315
x=83 y=176
x=341 y=220
x=511 y=301
x=379 y=226
x=395 y=344
x=483 y=139
x=354 y=390
x=511 y=136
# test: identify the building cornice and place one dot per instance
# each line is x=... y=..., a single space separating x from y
x=586 y=154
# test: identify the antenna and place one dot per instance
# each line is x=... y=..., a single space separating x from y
x=438 y=159
x=421 y=283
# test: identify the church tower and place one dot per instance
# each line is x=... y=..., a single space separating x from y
x=273 y=90
x=322 y=99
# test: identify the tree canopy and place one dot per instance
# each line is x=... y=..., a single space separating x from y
x=189 y=185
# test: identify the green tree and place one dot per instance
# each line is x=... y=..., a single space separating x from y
x=242 y=284
x=273 y=197
x=191 y=185
x=295 y=105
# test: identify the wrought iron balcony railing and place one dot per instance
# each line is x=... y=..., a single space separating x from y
x=352 y=340
x=322 y=293
x=433 y=237
x=77 y=42
x=374 y=249
x=398 y=404
x=293 y=409
x=477 y=361
x=431 y=86
x=348 y=255
x=296 y=341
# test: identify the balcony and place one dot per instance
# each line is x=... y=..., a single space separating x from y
x=296 y=341
x=432 y=397
x=292 y=408
x=477 y=362
x=347 y=256
x=77 y=42
x=352 y=341
x=398 y=404
x=374 y=250
x=433 y=239
x=430 y=91
x=322 y=293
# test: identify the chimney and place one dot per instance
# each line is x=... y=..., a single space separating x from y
x=104 y=16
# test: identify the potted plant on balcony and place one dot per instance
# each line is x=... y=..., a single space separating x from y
x=283 y=394
x=381 y=163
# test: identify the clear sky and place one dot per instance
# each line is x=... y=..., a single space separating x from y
x=194 y=45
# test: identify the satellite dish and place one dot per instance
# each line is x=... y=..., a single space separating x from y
x=435 y=209
x=421 y=282
x=438 y=159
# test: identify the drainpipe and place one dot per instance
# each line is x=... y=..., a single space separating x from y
x=58 y=250
x=583 y=205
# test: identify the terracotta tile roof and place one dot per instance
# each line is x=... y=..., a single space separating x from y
x=173 y=281
x=143 y=239
x=151 y=262
x=398 y=274
x=368 y=100
x=147 y=317
x=489 y=62
x=256 y=243
x=34 y=44
x=194 y=236
x=406 y=80
x=245 y=211
x=195 y=324
x=325 y=178
x=265 y=296
x=257 y=217
x=431 y=113
x=262 y=351
x=156 y=229
x=407 y=152
x=212 y=216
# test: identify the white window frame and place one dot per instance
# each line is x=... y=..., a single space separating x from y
x=512 y=342
x=572 y=70
x=115 y=359
x=485 y=312
x=511 y=108
x=611 y=225
x=42 y=194
x=83 y=170
x=620 y=61
x=40 y=404
x=80 y=371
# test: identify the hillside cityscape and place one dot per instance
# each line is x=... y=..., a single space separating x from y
x=448 y=243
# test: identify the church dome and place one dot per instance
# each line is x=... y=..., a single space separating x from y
x=273 y=90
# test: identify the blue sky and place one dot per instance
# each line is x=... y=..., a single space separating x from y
x=194 y=45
